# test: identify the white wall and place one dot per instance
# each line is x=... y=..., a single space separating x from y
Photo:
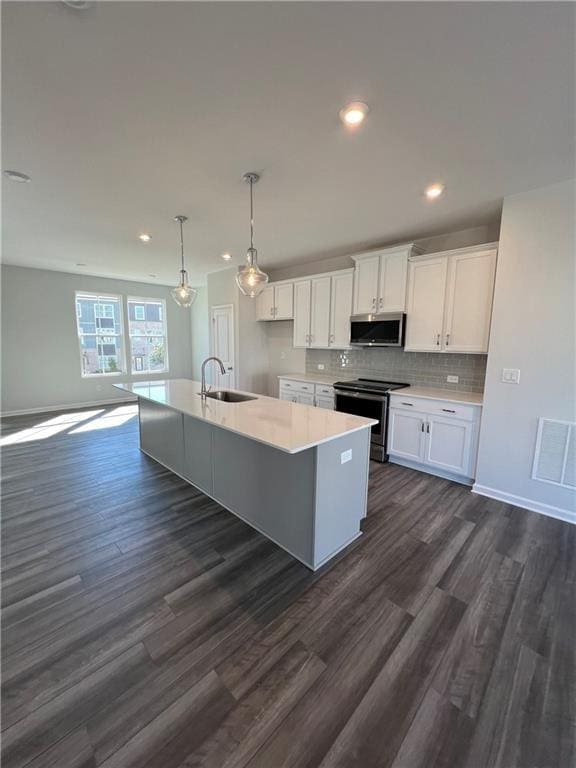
x=533 y=329
x=200 y=336
x=40 y=353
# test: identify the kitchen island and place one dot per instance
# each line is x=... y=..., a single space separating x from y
x=296 y=473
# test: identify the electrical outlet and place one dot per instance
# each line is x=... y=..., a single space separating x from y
x=282 y=355
x=346 y=456
x=321 y=366
x=511 y=375
x=452 y=379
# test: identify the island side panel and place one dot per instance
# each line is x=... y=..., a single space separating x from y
x=270 y=489
x=341 y=493
x=162 y=434
x=198 y=461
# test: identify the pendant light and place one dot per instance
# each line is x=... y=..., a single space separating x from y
x=250 y=278
x=183 y=294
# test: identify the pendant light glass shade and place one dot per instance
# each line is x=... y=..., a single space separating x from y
x=250 y=278
x=183 y=294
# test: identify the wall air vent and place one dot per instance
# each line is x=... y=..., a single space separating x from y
x=555 y=455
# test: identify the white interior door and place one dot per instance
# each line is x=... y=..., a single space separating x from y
x=320 y=312
x=222 y=323
x=340 y=310
x=425 y=310
x=469 y=301
x=302 y=291
x=366 y=285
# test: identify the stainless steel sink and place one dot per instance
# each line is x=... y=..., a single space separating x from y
x=229 y=397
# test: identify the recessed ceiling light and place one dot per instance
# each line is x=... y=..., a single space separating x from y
x=226 y=256
x=21 y=178
x=434 y=191
x=145 y=237
x=352 y=115
x=78 y=5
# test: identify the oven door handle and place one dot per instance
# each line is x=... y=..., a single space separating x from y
x=360 y=395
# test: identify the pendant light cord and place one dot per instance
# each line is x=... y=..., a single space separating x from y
x=182 y=243
x=251 y=215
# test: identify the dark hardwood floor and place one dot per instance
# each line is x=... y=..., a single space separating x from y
x=145 y=626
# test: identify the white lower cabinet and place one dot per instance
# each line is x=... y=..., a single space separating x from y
x=307 y=393
x=437 y=435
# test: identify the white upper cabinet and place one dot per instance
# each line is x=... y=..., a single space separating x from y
x=320 y=312
x=450 y=301
x=380 y=280
x=302 y=293
x=425 y=310
x=340 y=309
x=322 y=309
x=366 y=284
x=284 y=301
x=276 y=302
x=265 y=304
x=469 y=301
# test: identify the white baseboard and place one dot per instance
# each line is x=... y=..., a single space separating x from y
x=530 y=504
x=69 y=406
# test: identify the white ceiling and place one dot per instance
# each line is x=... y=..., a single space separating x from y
x=129 y=113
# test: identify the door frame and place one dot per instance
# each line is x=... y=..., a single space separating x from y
x=232 y=310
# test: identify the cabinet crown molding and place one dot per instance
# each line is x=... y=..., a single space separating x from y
x=411 y=249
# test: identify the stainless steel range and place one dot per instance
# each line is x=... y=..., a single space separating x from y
x=368 y=397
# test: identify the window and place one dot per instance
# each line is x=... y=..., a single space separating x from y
x=100 y=334
x=148 y=332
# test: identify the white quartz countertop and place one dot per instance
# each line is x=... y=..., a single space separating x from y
x=317 y=378
x=290 y=427
x=449 y=395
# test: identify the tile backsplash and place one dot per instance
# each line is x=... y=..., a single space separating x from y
x=428 y=369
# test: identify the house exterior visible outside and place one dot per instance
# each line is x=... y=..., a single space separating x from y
x=101 y=335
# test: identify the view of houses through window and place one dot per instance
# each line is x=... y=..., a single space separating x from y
x=147 y=331
x=101 y=334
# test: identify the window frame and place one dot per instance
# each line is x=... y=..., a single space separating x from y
x=99 y=300
x=164 y=320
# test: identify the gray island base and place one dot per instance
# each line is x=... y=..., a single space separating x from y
x=310 y=502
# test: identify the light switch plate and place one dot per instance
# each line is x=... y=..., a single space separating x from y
x=452 y=379
x=321 y=366
x=511 y=375
x=346 y=456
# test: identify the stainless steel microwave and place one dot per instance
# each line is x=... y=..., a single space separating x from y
x=384 y=330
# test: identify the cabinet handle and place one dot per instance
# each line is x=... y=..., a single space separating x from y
x=374 y=303
x=437 y=339
x=311 y=338
x=272 y=311
x=410 y=404
x=447 y=339
x=448 y=410
x=331 y=339
x=421 y=426
x=428 y=427
x=380 y=302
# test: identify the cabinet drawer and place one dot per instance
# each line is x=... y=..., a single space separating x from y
x=437 y=407
x=296 y=386
x=324 y=389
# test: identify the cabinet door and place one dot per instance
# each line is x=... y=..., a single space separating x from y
x=265 y=304
x=324 y=401
x=366 y=285
x=340 y=310
x=392 y=286
x=284 y=302
x=469 y=301
x=449 y=444
x=304 y=399
x=425 y=310
x=405 y=434
x=320 y=312
x=302 y=291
